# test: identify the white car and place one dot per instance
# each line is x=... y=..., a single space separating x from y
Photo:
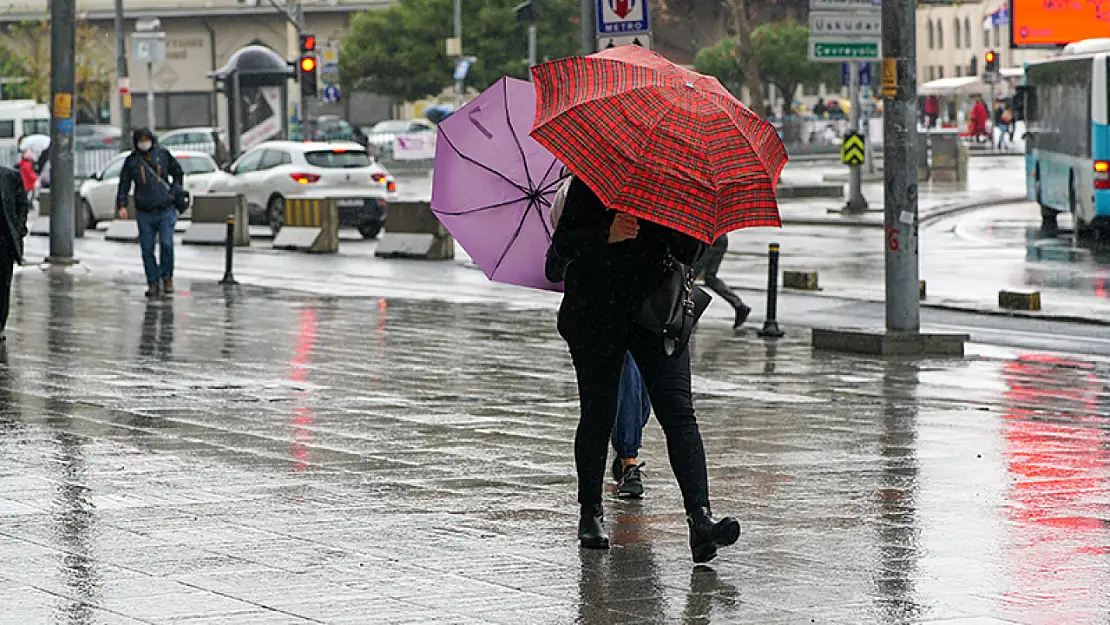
x=98 y=193
x=382 y=134
x=270 y=172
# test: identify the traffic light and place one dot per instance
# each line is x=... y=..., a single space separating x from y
x=307 y=66
x=991 y=59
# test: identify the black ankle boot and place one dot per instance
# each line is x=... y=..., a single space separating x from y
x=591 y=534
x=708 y=535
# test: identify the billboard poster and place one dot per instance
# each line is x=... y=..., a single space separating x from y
x=259 y=115
x=1049 y=23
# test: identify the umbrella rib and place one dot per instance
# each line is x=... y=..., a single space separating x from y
x=543 y=184
x=512 y=131
x=516 y=235
x=470 y=160
x=471 y=211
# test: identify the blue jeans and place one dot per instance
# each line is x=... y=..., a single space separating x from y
x=633 y=411
x=157 y=225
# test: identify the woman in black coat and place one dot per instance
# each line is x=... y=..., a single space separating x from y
x=614 y=263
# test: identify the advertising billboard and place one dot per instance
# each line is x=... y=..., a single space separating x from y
x=1048 y=23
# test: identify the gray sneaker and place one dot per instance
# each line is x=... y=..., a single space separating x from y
x=631 y=484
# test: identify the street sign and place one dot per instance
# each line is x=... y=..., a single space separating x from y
x=462 y=68
x=852 y=150
x=890 y=78
x=643 y=40
x=331 y=93
x=846 y=5
x=149 y=47
x=841 y=50
x=864 y=75
x=622 y=17
x=841 y=24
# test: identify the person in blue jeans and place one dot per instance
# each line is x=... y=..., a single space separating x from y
x=157 y=177
x=633 y=412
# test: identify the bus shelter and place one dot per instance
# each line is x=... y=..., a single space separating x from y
x=255 y=84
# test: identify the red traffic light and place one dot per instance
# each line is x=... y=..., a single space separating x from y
x=308 y=64
x=308 y=43
x=990 y=57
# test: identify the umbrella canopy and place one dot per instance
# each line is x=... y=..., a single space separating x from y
x=494 y=184
x=660 y=142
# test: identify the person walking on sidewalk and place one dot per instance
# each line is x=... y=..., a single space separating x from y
x=614 y=263
x=13 y=227
x=157 y=177
x=633 y=401
x=709 y=265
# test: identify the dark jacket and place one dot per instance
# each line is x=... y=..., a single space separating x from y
x=608 y=282
x=139 y=169
x=16 y=206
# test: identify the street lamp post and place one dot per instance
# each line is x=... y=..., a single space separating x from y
x=459 y=81
x=150 y=47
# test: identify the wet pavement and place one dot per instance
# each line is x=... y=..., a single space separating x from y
x=266 y=457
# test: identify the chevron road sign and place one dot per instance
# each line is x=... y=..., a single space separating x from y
x=852 y=150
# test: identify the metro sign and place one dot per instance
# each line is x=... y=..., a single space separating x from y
x=622 y=16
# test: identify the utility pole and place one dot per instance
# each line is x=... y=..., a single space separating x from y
x=124 y=83
x=531 y=48
x=589 y=29
x=903 y=313
x=459 y=80
x=63 y=35
x=856 y=202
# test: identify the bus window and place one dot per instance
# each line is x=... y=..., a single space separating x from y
x=1025 y=104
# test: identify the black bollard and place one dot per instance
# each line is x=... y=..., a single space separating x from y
x=229 y=251
x=771 y=328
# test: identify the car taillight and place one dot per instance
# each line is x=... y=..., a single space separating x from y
x=391 y=187
x=305 y=178
x=109 y=141
x=1102 y=175
x=378 y=178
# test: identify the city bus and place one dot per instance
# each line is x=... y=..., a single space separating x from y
x=1067 y=146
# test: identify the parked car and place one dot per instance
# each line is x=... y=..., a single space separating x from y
x=211 y=141
x=273 y=171
x=382 y=134
x=98 y=193
x=97 y=137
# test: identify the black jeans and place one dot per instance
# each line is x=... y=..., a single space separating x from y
x=7 y=267
x=712 y=264
x=598 y=360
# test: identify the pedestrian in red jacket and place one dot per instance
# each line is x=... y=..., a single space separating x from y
x=27 y=170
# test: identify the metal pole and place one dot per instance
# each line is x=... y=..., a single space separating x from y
x=771 y=328
x=589 y=33
x=856 y=201
x=459 y=84
x=121 y=72
x=63 y=27
x=531 y=47
x=868 y=145
x=150 y=121
x=903 y=312
x=990 y=111
x=229 y=253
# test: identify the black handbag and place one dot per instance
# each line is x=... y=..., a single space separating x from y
x=675 y=307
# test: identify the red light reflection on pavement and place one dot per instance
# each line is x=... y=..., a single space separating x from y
x=298 y=372
x=1059 y=500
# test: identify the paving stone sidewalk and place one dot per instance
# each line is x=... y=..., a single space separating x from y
x=261 y=457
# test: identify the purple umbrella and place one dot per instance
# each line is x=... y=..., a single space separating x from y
x=493 y=184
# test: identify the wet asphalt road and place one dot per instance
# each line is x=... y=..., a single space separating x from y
x=266 y=457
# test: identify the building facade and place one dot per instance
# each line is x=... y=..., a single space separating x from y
x=201 y=35
x=952 y=39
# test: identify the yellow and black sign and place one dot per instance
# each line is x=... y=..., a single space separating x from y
x=852 y=150
x=890 y=78
x=303 y=213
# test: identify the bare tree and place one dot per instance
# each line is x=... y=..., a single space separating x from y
x=746 y=55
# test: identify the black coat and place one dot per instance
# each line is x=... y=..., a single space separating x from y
x=607 y=282
x=16 y=206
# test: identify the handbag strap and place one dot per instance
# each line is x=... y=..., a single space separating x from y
x=156 y=174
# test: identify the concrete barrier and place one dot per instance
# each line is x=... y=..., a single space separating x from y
x=41 y=225
x=949 y=156
x=412 y=231
x=1019 y=300
x=801 y=280
x=209 y=220
x=311 y=225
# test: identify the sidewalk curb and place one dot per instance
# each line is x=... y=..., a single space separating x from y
x=1061 y=318
x=936 y=214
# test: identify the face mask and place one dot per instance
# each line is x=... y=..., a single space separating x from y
x=144 y=146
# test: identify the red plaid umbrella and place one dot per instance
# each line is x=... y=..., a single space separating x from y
x=660 y=142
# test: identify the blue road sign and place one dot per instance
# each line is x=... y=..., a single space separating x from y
x=615 y=17
x=462 y=68
x=864 y=75
x=331 y=93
